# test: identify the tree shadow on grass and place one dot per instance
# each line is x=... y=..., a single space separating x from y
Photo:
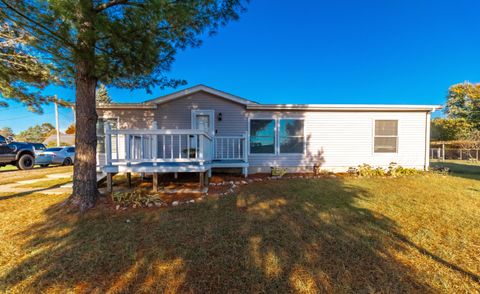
x=283 y=236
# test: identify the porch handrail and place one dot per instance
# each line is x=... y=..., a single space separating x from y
x=157 y=145
x=157 y=132
x=230 y=147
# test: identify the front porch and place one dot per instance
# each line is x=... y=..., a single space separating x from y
x=158 y=151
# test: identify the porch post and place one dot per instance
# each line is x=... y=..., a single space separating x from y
x=129 y=179
x=155 y=144
x=245 y=147
x=201 y=146
x=109 y=182
x=155 y=182
x=202 y=180
x=108 y=144
x=206 y=178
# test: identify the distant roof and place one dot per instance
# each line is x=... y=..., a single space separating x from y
x=64 y=138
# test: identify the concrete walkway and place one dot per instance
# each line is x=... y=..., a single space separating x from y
x=14 y=187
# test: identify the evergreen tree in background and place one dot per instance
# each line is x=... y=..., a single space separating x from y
x=102 y=96
x=36 y=134
x=124 y=43
x=463 y=102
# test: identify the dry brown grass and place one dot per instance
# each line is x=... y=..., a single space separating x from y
x=411 y=234
x=12 y=176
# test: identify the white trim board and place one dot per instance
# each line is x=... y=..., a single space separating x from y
x=199 y=88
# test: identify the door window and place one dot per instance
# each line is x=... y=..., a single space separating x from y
x=203 y=122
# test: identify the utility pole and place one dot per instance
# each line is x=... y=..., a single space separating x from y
x=74 y=116
x=57 y=126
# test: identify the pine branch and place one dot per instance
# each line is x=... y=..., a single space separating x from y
x=112 y=3
x=24 y=16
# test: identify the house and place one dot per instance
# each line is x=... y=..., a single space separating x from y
x=65 y=140
x=201 y=128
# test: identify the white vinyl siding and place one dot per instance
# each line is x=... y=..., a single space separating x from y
x=338 y=140
x=176 y=114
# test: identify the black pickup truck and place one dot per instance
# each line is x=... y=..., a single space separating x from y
x=22 y=155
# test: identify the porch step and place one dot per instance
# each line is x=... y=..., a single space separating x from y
x=101 y=177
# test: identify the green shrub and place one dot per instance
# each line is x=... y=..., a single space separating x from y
x=138 y=197
x=393 y=170
x=366 y=170
x=278 y=171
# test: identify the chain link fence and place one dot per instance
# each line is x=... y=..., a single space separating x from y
x=454 y=154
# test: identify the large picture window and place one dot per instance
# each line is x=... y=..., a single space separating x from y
x=262 y=136
x=291 y=136
x=386 y=136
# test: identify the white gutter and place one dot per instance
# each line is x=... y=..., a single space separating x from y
x=298 y=107
x=344 y=107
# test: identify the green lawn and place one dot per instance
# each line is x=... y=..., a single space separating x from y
x=408 y=234
x=462 y=168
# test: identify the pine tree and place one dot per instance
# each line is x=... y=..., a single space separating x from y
x=101 y=96
x=22 y=75
x=124 y=43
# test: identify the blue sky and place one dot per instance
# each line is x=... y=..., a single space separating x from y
x=308 y=51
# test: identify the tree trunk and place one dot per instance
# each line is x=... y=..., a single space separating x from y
x=85 y=191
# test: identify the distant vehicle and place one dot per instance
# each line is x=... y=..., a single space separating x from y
x=56 y=155
x=22 y=155
x=38 y=147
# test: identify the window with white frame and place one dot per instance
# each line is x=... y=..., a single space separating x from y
x=101 y=122
x=262 y=136
x=291 y=136
x=386 y=136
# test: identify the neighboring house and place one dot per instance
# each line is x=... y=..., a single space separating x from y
x=65 y=140
x=163 y=134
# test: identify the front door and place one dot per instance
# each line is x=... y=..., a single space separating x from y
x=203 y=120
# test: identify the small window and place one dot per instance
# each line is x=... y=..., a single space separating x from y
x=71 y=149
x=386 y=136
x=291 y=136
x=262 y=136
x=2 y=140
x=101 y=122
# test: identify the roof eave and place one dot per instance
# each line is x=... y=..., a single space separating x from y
x=345 y=107
x=199 y=88
x=126 y=106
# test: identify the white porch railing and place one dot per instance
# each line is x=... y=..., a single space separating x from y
x=156 y=145
x=230 y=148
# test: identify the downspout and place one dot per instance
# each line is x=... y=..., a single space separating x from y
x=427 y=140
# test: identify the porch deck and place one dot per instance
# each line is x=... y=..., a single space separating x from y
x=159 y=151
x=169 y=167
